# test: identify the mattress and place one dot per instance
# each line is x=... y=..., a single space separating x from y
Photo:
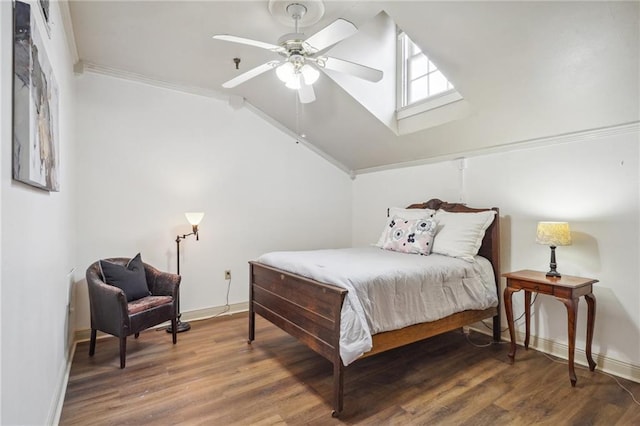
x=390 y=290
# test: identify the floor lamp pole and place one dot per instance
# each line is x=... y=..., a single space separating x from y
x=181 y=326
x=178 y=254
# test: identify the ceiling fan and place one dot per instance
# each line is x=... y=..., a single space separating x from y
x=304 y=56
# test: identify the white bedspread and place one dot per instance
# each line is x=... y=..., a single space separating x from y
x=390 y=290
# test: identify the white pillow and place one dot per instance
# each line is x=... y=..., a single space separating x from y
x=404 y=214
x=460 y=234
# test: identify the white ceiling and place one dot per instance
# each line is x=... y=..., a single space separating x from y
x=526 y=69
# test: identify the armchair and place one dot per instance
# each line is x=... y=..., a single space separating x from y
x=112 y=314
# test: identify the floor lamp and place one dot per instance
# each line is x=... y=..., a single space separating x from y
x=194 y=219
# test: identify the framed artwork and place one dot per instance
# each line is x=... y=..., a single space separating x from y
x=35 y=104
x=43 y=5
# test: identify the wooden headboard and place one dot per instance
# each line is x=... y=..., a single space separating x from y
x=490 y=248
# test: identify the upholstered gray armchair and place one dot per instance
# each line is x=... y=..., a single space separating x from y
x=112 y=314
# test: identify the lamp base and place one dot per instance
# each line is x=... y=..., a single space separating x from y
x=181 y=326
x=552 y=265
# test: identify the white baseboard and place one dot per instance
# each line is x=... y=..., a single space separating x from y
x=560 y=350
x=207 y=313
x=56 y=412
x=199 y=314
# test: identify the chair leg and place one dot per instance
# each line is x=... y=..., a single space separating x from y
x=123 y=350
x=92 y=342
x=174 y=330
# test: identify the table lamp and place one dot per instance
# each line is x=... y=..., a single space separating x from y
x=553 y=234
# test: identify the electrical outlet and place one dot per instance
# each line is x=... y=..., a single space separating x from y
x=227 y=274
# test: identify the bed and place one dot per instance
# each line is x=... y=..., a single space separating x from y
x=312 y=310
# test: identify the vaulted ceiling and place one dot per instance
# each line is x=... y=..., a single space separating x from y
x=525 y=69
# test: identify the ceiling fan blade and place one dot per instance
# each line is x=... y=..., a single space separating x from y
x=306 y=94
x=337 y=31
x=250 y=42
x=357 y=70
x=250 y=74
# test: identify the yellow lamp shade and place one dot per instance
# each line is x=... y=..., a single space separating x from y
x=553 y=234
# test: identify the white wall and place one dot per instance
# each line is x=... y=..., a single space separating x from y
x=5 y=134
x=592 y=183
x=38 y=251
x=148 y=154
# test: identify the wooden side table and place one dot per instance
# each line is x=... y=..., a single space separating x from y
x=568 y=290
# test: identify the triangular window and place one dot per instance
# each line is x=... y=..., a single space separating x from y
x=420 y=79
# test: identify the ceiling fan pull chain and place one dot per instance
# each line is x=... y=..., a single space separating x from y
x=297 y=120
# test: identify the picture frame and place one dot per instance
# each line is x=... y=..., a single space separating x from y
x=43 y=5
x=35 y=104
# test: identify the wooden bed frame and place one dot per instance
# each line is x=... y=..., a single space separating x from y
x=310 y=310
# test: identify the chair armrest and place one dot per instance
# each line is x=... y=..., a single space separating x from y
x=162 y=283
x=109 y=311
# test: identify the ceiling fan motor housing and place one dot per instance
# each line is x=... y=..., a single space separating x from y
x=292 y=41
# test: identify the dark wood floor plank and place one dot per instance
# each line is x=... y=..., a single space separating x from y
x=212 y=376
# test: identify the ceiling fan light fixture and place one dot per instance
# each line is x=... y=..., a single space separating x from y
x=285 y=72
x=294 y=82
x=310 y=74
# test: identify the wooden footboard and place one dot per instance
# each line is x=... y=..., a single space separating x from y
x=304 y=308
x=307 y=309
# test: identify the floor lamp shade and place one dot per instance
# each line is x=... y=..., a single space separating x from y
x=194 y=218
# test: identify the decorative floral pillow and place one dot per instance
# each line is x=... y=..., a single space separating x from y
x=405 y=214
x=410 y=235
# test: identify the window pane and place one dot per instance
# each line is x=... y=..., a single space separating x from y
x=437 y=83
x=418 y=89
x=420 y=77
x=414 y=49
x=417 y=66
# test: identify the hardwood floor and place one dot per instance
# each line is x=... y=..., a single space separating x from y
x=213 y=377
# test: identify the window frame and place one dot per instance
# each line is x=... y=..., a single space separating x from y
x=403 y=107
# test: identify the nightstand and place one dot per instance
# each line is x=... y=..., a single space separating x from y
x=568 y=290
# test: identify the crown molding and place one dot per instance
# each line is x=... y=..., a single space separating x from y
x=579 y=136
x=91 y=67
x=67 y=24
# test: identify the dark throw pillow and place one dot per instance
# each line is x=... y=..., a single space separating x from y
x=130 y=278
